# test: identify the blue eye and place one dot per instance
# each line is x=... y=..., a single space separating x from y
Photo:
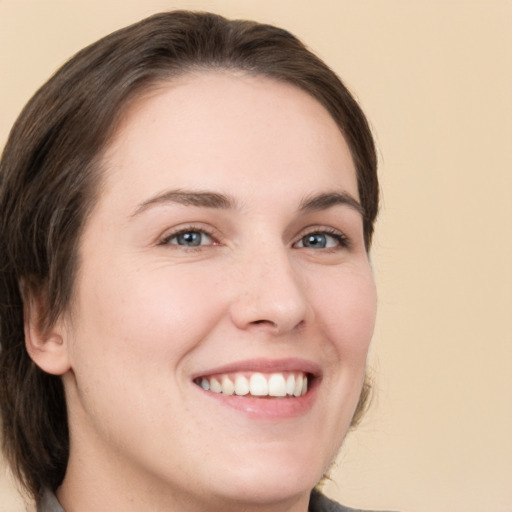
x=190 y=238
x=322 y=240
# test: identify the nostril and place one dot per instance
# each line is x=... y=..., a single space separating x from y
x=276 y=326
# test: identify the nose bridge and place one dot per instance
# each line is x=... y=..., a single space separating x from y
x=272 y=292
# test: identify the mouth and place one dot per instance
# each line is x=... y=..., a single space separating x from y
x=263 y=389
x=286 y=384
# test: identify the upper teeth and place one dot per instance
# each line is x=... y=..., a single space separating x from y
x=257 y=384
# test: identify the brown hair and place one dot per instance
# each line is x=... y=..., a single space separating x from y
x=49 y=178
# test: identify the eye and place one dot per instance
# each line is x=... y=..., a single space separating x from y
x=189 y=238
x=322 y=240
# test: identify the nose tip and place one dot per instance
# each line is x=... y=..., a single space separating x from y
x=272 y=299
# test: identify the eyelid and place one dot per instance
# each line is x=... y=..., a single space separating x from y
x=342 y=239
x=174 y=232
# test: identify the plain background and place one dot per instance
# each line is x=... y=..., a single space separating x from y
x=435 y=79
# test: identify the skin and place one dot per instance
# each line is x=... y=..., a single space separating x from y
x=149 y=314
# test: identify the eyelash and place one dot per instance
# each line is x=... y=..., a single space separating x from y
x=189 y=229
x=342 y=240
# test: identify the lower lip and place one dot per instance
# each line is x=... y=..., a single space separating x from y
x=269 y=408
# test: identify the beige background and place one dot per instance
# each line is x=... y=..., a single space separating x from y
x=435 y=78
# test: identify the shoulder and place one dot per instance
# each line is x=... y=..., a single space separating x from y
x=319 y=503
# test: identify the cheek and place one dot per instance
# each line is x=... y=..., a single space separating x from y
x=131 y=338
x=347 y=310
x=135 y=314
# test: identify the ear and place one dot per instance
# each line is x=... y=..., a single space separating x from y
x=46 y=345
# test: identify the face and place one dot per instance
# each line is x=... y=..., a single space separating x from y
x=224 y=302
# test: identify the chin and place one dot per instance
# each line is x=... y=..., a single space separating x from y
x=268 y=491
x=273 y=479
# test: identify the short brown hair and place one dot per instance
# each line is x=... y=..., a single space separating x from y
x=49 y=180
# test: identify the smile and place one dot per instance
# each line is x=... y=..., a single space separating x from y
x=257 y=384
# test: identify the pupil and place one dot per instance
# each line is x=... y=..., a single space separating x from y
x=191 y=239
x=315 y=241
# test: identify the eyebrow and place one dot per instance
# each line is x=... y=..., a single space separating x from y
x=205 y=199
x=188 y=198
x=327 y=200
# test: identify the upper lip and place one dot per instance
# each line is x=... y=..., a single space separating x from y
x=264 y=365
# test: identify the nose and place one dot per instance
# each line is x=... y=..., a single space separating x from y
x=271 y=294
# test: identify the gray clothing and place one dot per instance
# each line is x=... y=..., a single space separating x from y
x=49 y=503
x=318 y=503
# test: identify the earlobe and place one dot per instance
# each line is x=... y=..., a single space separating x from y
x=46 y=345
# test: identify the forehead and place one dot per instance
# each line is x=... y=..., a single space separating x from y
x=213 y=127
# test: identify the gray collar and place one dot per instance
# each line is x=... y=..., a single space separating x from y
x=49 y=503
x=318 y=503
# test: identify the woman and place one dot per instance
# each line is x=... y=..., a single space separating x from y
x=186 y=301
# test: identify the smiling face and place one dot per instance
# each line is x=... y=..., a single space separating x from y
x=224 y=262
